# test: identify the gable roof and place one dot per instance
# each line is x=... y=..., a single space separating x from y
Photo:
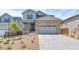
x=73 y=18
x=27 y=11
x=40 y=14
x=5 y=14
x=18 y=19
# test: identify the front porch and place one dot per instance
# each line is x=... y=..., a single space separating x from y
x=32 y=28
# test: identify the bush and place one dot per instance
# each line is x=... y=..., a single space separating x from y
x=32 y=41
x=22 y=42
x=71 y=35
x=27 y=38
x=77 y=37
x=9 y=47
x=0 y=46
x=7 y=41
x=23 y=46
x=12 y=43
x=19 y=38
x=1 y=41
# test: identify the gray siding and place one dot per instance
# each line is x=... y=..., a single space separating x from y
x=71 y=23
x=6 y=16
x=25 y=16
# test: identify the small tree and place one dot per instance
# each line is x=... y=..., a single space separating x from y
x=14 y=27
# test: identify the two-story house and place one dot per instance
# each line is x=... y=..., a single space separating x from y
x=29 y=17
x=42 y=23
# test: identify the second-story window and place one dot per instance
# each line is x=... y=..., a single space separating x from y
x=29 y=16
x=6 y=19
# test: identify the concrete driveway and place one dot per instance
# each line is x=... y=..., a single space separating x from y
x=57 y=42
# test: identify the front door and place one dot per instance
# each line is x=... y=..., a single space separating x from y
x=32 y=27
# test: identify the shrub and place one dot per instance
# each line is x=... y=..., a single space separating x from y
x=34 y=38
x=7 y=41
x=14 y=39
x=22 y=42
x=9 y=47
x=0 y=46
x=12 y=43
x=23 y=46
x=77 y=37
x=27 y=38
x=1 y=41
x=32 y=41
x=19 y=38
x=72 y=35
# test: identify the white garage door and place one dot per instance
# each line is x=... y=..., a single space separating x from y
x=2 y=32
x=48 y=30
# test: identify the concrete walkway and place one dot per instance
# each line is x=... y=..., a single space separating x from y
x=57 y=42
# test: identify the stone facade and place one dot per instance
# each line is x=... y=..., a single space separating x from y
x=48 y=22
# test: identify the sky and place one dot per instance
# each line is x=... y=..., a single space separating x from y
x=60 y=13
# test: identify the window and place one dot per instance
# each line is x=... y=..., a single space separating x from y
x=6 y=19
x=29 y=16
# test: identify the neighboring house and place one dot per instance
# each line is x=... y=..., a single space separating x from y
x=48 y=25
x=4 y=20
x=71 y=24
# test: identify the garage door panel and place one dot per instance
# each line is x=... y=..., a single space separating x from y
x=49 y=30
